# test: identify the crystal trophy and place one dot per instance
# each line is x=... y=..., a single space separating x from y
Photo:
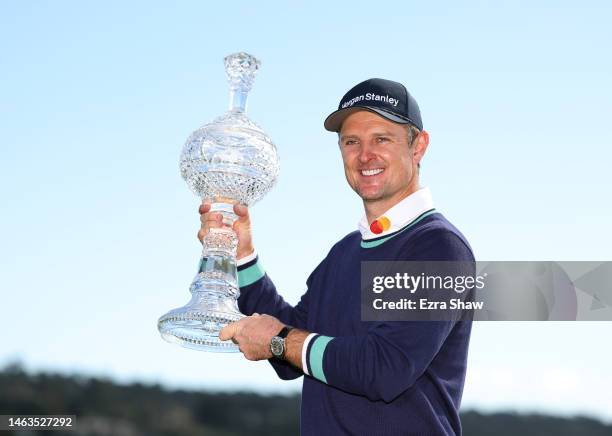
x=227 y=161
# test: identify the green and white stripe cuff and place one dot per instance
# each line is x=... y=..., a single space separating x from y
x=313 y=351
x=305 y=354
x=250 y=272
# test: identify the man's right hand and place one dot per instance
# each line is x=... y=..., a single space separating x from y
x=242 y=227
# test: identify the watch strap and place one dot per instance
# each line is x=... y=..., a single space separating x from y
x=285 y=331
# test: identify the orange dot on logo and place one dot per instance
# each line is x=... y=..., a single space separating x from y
x=384 y=222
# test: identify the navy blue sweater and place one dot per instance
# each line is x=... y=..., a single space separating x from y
x=371 y=378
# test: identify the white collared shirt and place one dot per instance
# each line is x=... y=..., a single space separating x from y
x=399 y=215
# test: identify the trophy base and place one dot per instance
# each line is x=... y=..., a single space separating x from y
x=196 y=327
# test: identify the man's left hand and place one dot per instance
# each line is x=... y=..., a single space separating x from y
x=253 y=335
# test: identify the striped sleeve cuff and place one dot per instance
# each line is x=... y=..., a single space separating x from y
x=246 y=259
x=305 y=354
x=313 y=351
x=250 y=272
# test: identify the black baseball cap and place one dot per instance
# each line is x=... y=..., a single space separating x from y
x=386 y=98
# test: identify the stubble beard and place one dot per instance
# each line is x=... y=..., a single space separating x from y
x=373 y=197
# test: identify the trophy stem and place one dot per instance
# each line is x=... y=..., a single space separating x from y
x=214 y=292
x=238 y=100
x=225 y=208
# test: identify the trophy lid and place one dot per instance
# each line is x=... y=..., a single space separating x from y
x=240 y=69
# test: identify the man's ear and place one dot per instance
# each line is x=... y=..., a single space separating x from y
x=420 y=146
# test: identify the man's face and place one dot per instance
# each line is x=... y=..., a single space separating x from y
x=378 y=161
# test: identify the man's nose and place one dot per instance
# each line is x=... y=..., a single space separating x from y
x=366 y=153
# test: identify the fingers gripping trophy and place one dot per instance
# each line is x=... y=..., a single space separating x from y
x=231 y=160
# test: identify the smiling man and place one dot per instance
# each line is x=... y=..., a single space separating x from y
x=374 y=378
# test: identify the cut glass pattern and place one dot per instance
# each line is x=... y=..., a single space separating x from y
x=227 y=161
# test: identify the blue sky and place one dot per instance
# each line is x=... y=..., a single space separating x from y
x=99 y=230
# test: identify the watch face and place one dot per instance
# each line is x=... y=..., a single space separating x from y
x=277 y=346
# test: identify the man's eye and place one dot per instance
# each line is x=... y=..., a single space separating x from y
x=350 y=142
x=382 y=139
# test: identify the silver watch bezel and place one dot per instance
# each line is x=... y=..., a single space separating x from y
x=275 y=344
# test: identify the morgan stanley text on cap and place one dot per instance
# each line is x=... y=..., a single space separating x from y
x=386 y=98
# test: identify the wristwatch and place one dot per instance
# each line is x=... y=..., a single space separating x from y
x=277 y=344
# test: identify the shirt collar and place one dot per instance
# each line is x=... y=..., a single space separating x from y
x=398 y=216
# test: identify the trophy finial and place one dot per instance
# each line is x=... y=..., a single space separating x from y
x=240 y=69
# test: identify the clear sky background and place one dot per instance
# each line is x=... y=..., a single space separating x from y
x=99 y=230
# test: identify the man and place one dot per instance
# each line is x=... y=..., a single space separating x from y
x=373 y=378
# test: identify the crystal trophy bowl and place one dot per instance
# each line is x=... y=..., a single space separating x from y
x=231 y=160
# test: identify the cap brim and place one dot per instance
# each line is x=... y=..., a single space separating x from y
x=334 y=121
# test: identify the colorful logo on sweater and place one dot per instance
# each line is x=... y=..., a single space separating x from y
x=380 y=225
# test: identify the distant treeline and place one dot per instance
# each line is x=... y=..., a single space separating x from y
x=105 y=408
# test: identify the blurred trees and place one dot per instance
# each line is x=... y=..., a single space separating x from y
x=106 y=408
